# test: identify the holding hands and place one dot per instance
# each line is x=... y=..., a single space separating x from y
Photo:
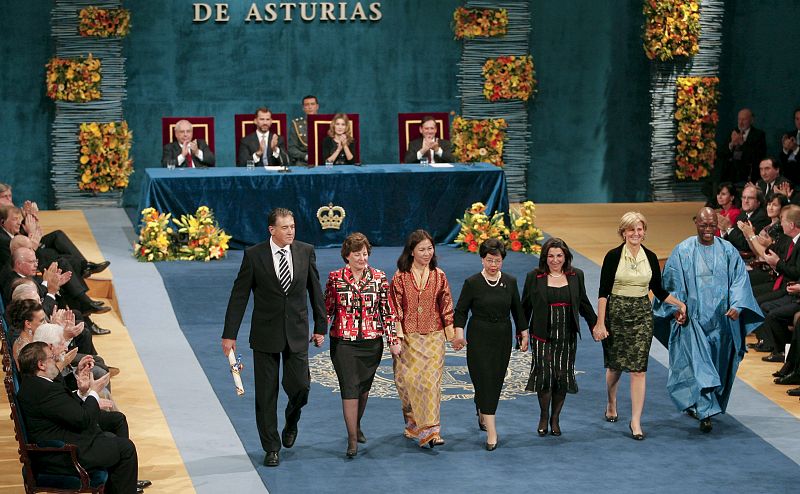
x=523 y=341
x=599 y=331
x=458 y=342
x=680 y=315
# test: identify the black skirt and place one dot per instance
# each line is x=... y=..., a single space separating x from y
x=355 y=363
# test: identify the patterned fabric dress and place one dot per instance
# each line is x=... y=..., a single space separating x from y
x=423 y=313
x=553 y=365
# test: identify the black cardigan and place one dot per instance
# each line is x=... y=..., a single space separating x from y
x=536 y=307
x=609 y=270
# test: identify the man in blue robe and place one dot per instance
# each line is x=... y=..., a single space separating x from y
x=705 y=350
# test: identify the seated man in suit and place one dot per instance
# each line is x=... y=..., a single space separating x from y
x=429 y=146
x=752 y=211
x=745 y=150
x=771 y=180
x=187 y=152
x=262 y=147
x=52 y=413
x=298 y=134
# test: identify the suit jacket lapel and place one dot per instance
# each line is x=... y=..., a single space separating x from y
x=269 y=264
x=296 y=260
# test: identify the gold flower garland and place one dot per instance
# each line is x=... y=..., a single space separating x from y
x=75 y=79
x=696 y=114
x=105 y=162
x=479 y=140
x=472 y=23
x=671 y=28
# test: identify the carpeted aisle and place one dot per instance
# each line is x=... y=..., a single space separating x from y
x=591 y=454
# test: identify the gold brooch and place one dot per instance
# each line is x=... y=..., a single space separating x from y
x=331 y=217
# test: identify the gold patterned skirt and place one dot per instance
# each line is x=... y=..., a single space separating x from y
x=418 y=377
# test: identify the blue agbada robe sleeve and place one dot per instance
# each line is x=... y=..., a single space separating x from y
x=706 y=351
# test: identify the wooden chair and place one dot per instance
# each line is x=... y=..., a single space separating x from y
x=36 y=480
x=202 y=128
x=408 y=129
x=243 y=124
x=317 y=129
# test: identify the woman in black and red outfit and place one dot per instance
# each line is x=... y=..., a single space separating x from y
x=553 y=299
x=359 y=308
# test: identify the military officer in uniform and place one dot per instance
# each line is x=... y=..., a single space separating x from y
x=298 y=134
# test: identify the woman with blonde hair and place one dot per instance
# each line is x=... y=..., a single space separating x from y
x=625 y=316
x=338 y=146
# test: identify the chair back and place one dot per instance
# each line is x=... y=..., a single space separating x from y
x=408 y=129
x=202 y=128
x=317 y=128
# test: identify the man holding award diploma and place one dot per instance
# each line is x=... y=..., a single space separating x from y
x=281 y=273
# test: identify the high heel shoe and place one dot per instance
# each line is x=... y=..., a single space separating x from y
x=360 y=437
x=352 y=451
x=480 y=423
x=611 y=418
x=542 y=429
x=491 y=447
x=638 y=437
x=555 y=429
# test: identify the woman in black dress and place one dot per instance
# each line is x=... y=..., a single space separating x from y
x=492 y=296
x=553 y=298
x=338 y=147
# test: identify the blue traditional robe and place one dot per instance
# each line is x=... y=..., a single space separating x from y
x=704 y=353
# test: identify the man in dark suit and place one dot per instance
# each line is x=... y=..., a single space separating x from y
x=429 y=146
x=771 y=180
x=745 y=150
x=279 y=272
x=262 y=147
x=187 y=152
x=752 y=211
x=52 y=413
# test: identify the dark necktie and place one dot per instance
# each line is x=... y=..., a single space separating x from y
x=780 y=278
x=284 y=275
x=189 y=163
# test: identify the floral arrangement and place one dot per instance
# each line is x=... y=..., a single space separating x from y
x=477 y=226
x=103 y=23
x=478 y=140
x=696 y=114
x=525 y=236
x=509 y=77
x=671 y=28
x=155 y=237
x=200 y=237
x=471 y=23
x=74 y=79
x=105 y=161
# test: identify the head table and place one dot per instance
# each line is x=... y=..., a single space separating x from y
x=384 y=202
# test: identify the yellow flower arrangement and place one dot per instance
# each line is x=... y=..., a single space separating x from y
x=471 y=23
x=103 y=23
x=105 y=162
x=155 y=237
x=696 y=114
x=74 y=79
x=478 y=140
x=509 y=77
x=477 y=226
x=671 y=28
x=200 y=237
x=525 y=236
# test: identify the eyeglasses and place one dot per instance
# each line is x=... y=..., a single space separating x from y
x=494 y=262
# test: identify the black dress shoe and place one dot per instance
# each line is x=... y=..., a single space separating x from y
x=705 y=425
x=763 y=348
x=143 y=484
x=793 y=392
x=288 y=436
x=93 y=309
x=690 y=412
x=638 y=437
x=755 y=345
x=139 y=490
x=480 y=424
x=773 y=357
x=94 y=268
x=272 y=459
x=793 y=378
x=97 y=330
x=360 y=437
x=437 y=441
x=555 y=429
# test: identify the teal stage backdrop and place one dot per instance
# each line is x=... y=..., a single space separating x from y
x=589 y=120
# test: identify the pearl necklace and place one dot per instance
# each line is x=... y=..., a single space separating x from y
x=486 y=278
x=555 y=275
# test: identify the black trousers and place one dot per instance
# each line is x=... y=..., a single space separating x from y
x=779 y=316
x=296 y=384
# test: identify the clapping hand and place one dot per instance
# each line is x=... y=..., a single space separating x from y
x=274 y=144
x=772 y=258
x=746 y=227
x=68 y=358
x=723 y=222
x=736 y=138
x=785 y=188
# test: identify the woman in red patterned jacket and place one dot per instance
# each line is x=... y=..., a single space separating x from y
x=359 y=308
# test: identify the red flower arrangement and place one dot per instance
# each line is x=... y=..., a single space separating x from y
x=104 y=23
x=471 y=23
x=509 y=77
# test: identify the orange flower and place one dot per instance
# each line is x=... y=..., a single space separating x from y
x=516 y=246
x=473 y=246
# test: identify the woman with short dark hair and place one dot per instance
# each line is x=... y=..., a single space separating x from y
x=360 y=311
x=492 y=298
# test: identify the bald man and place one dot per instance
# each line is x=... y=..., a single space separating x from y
x=745 y=150
x=705 y=347
x=186 y=151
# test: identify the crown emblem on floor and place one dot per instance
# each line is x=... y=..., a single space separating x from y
x=331 y=217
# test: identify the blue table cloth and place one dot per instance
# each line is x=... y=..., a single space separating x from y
x=385 y=202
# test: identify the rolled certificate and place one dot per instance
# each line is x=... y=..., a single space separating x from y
x=236 y=367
